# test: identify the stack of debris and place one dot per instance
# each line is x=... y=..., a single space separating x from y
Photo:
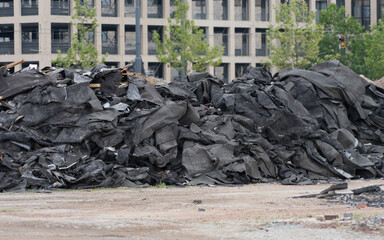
x=296 y=127
x=370 y=196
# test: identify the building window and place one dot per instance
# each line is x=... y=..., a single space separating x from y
x=130 y=40
x=6 y=8
x=112 y=64
x=151 y=42
x=320 y=5
x=240 y=68
x=11 y=70
x=220 y=9
x=90 y=5
x=380 y=9
x=60 y=37
x=241 y=42
x=109 y=39
x=199 y=9
x=361 y=12
x=29 y=7
x=241 y=10
x=340 y=3
x=155 y=69
x=32 y=64
x=172 y=8
x=221 y=72
x=89 y=36
x=130 y=8
x=60 y=7
x=155 y=8
x=7 y=42
x=262 y=10
x=261 y=42
x=221 y=38
x=30 y=38
x=108 y=8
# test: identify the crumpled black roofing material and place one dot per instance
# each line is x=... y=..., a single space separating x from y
x=297 y=127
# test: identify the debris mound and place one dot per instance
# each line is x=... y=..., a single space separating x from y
x=297 y=127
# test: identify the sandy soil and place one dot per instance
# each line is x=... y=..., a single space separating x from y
x=258 y=211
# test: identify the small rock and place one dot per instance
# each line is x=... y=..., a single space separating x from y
x=320 y=218
x=348 y=216
x=197 y=201
x=201 y=210
x=330 y=217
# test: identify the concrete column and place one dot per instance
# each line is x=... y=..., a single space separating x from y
x=144 y=40
x=144 y=9
x=189 y=13
x=252 y=43
x=231 y=10
x=273 y=4
x=312 y=5
x=231 y=52
x=373 y=11
x=209 y=10
x=17 y=28
x=45 y=34
x=167 y=73
x=252 y=9
x=331 y=1
x=166 y=9
x=121 y=43
x=348 y=8
x=210 y=39
x=231 y=71
x=121 y=33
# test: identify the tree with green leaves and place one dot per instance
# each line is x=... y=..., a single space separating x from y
x=297 y=36
x=184 y=46
x=374 y=59
x=335 y=22
x=82 y=52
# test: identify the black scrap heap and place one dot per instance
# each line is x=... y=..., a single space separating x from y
x=297 y=127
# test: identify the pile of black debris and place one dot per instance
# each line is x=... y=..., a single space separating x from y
x=297 y=127
x=370 y=196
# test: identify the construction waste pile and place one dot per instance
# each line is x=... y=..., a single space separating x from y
x=62 y=128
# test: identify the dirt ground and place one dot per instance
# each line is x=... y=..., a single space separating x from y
x=258 y=211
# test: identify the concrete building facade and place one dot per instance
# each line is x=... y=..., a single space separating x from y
x=35 y=29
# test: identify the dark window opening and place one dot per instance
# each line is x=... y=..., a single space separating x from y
x=60 y=37
x=29 y=7
x=199 y=9
x=108 y=8
x=220 y=9
x=130 y=40
x=7 y=42
x=155 y=69
x=361 y=12
x=241 y=10
x=320 y=5
x=262 y=10
x=221 y=72
x=155 y=8
x=240 y=68
x=151 y=42
x=109 y=39
x=221 y=38
x=261 y=42
x=60 y=7
x=6 y=8
x=241 y=42
x=30 y=38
